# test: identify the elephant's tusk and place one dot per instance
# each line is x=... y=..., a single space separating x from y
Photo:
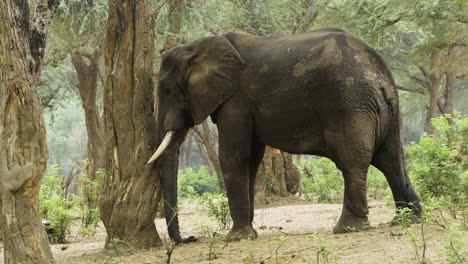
x=164 y=144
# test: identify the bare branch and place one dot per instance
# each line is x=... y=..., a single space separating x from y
x=413 y=90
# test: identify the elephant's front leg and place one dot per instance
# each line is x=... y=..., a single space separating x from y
x=235 y=136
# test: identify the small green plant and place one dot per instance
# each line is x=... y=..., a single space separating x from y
x=280 y=245
x=197 y=183
x=404 y=218
x=326 y=253
x=455 y=249
x=54 y=205
x=88 y=202
x=218 y=207
x=114 y=247
x=213 y=238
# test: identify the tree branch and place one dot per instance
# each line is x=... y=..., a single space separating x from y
x=413 y=90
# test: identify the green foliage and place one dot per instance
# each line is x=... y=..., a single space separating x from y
x=197 y=183
x=438 y=164
x=54 y=205
x=326 y=253
x=88 y=202
x=455 y=250
x=218 y=207
x=321 y=181
x=377 y=185
x=213 y=238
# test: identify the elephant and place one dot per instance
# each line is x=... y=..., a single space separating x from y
x=323 y=92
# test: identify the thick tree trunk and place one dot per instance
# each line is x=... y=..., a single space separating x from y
x=131 y=188
x=88 y=75
x=23 y=149
x=277 y=174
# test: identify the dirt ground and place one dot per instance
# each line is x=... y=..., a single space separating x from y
x=298 y=233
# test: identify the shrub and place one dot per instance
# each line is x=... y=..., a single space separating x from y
x=438 y=164
x=88 y=202
x=196 y=184
x=54 y=206
x=377 y=185
x=320 y=180
x=218 y=207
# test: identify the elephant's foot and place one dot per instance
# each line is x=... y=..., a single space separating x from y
x=246 y=232
x=348 y=224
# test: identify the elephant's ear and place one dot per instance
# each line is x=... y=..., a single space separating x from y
x=214 y=71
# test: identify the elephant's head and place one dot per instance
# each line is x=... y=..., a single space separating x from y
x=195 y=79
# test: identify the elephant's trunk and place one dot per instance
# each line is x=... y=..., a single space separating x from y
x=169 y=162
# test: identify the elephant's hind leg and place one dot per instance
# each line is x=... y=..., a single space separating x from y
x=351 y=150
x=387 y=159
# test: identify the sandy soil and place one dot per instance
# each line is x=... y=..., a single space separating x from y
x=287 y=234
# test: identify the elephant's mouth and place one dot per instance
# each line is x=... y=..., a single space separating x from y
x=163 y=146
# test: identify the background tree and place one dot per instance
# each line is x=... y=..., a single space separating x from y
x=23 y=149
x=78 y=34
x=424 y=43
x=131 y=187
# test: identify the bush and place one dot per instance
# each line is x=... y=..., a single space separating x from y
x=54 y=206
x=196 y=184
x=438 y=164
x=88 y=202
x=321 y=181
x=377 y=185
x=218 y=207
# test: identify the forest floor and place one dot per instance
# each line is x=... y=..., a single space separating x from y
x=291 y=233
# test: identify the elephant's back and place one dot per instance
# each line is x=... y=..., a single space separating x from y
x=302 y=83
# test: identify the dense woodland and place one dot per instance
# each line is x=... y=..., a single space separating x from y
x=70 y=68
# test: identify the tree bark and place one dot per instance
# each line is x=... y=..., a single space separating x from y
x=277 y=174
x=174 y=20
x=449 y=84
x=88 y=75
x=186 y=152
x=433 y=99
x=205 y=137
x=131 y=188
x=23 y=147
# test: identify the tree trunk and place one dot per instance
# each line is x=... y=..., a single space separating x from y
x=23 y=149
x=449 y=83
x=88 y=75
x=185 y=153
x=433 y=99
x=174 y=20
x=277 y=174
x=131 y=188
x=205 y=137
x=188 y=151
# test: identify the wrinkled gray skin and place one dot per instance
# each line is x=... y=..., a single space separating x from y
x=323 y=92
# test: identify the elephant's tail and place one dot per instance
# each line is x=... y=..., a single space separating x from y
x=389 y=156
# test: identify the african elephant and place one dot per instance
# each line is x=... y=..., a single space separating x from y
x=323 y=92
